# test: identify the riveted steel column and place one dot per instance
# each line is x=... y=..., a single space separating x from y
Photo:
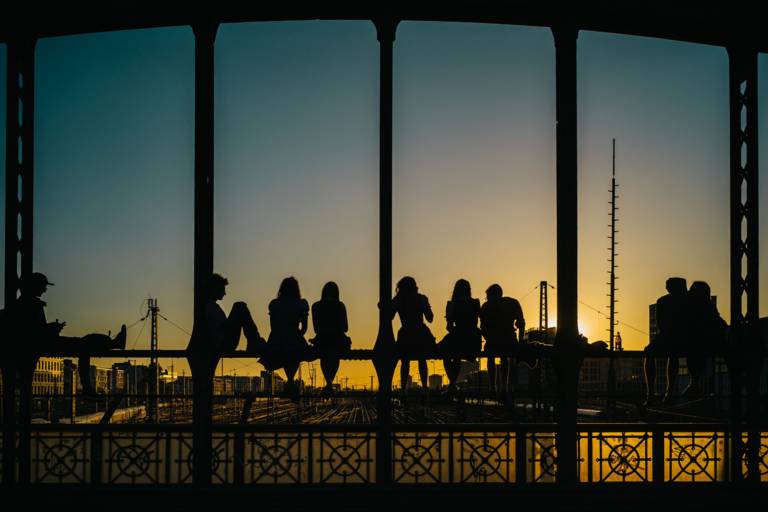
x=384 y=358
x=567 y=352
x=19 y=209
x=202 y=367
x=745 y=342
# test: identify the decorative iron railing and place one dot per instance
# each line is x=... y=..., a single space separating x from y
x=248 y=455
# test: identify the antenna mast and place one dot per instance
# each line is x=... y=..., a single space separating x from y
x=612 y=249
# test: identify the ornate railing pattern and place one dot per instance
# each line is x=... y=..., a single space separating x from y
x=248 y=455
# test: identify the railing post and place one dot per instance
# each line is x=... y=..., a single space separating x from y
x=657 y=451
x=746 y=348
x=521 y=455
x=19 y=209
x=568 y=355
x=202 y=363
x=96 y=456
x=384 y=358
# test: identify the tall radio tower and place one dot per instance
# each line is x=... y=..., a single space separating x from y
x=612 y=250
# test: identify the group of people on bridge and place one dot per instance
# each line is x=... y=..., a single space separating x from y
x=687 y=324
x=687 y=320
x=499 y=320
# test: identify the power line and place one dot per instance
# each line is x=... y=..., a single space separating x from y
x=603 y=314
x=140 y=331
x=175 y=325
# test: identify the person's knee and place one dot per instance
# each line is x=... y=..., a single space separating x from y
x=240 y=307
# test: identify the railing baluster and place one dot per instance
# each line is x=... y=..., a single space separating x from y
x=520 y=457
x=657 y=449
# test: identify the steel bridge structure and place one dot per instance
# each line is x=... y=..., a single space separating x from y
x=384 y=454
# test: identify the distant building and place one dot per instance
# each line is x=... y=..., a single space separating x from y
x=435 y=382
x=48 y=378
x=117 y=380
x=466 y=368
x=70 y=378
x=100 y=379
x=475 y=382
x=136 y=377
x=243 y=385
x=271 y=381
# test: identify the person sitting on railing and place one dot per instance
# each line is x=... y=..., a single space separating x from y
x=499 y=317
x=463 y=340
x=222 y=332
x=329 y=319
x=286 y=346
x=707 y=330
x=672 y=314
x=33 y=335
x=414 y=339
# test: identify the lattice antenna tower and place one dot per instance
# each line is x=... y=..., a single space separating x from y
x=612 y=251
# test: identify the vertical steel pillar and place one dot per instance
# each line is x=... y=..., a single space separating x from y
x=19 y=209
x=384 y=358
x=566 y=342
x=744 y=253
x=202 y=368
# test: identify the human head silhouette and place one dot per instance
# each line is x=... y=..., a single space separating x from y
x=494 y=292
x=330 y=291
x=700 y=291
x=289 y=288
x=217 y=287
x=676 y=285
x=462 y=290
x=407 y=286
x=35 y=284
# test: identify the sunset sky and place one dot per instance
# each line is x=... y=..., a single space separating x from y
x=297 y=170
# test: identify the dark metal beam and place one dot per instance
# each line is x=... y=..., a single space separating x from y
x=384 y=358
x=713 y=22
x=566 y=341
x=200 y=361
x=745 y=333
x=19 y=210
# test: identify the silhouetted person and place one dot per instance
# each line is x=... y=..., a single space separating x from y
x=707 y=331
x=672 y=313
x=414 y=339
x=286 y=346
x=329 y=319
x=34 y=335
x=463 y=340
x=222 y=332
x=499 y=317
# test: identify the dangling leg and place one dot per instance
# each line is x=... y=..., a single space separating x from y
x=240 y=317
x=329 y=366
x=405 y=369
x=649 y=367
x=492 y=374
x=673 y=365
x=504 y=375
x=423 y=373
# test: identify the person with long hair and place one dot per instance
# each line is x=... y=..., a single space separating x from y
x=414 y=339
x=329 y=320
x=286 y=345
x=463 y=340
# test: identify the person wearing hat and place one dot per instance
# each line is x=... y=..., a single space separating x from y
x=34 y=335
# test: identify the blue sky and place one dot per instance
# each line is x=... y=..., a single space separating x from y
x=297 y=163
